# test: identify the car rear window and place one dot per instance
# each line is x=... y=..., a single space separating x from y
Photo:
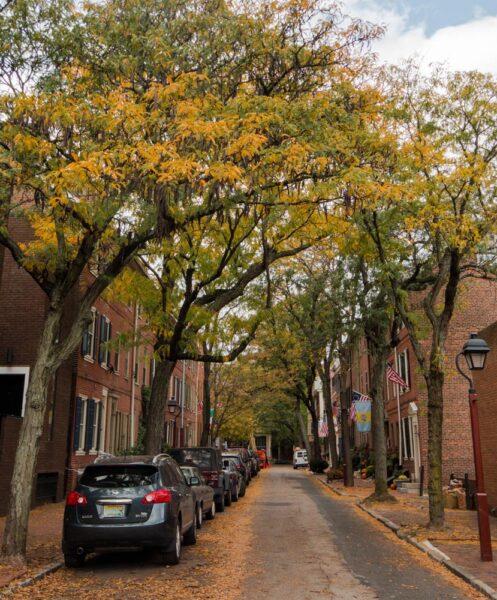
x=119 y=476
x=202 y=458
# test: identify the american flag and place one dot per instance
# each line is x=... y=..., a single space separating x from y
x=323 y=428
x=356 y=397
x=392 y=375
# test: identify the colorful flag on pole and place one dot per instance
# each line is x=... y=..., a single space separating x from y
x=392 y=375
x=322 y=428
x=363 y=416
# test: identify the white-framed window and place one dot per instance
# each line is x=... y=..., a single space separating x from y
x=126 y=364
x=104 y=339
x=88 y=343
x=407 y=438
x=98 y=427
x=80 y=424
x=403 y=366
x=14 y=386
x=117 y=356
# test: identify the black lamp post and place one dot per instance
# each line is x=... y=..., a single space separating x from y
x=174 y=408
x=475 y=352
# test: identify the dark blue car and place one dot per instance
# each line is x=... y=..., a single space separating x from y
x=129 y=502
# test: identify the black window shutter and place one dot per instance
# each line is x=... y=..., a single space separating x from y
x=99 y=425
x=102 y=337
x=109 y=337
x=95 y=336
x=90 y=424
x=77 y=422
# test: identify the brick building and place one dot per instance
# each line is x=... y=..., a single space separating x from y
x=96 y=396
x=485 y=384
x=411 y=403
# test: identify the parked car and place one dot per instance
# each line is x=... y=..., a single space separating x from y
x=203 y=494
x=241 y=468
x=245 y=457
x=229 y=467
x=300 y=459
x=209 y=462
x=128 y=502
x=255 y=463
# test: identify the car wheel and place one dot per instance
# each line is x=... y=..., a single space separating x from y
x=242 y=489
x=234 y=495
x=190 y=537
x=227 y=498
x=73 y=560
x=220 y=505
x=211 y=514
x=200 y=516
x=173 y=557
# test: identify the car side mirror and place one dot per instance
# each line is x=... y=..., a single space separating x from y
x=194 y=481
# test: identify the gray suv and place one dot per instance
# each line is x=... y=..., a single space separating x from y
x=129 y=502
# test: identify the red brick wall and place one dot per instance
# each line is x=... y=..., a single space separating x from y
x=486 y=386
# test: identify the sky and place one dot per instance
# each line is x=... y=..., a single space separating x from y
x=462 y=34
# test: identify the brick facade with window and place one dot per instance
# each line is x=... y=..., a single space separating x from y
x=92 y=394
x=476 y=309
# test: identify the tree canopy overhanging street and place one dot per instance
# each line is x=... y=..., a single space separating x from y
x=229 y=227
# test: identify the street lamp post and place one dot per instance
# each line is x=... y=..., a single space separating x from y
x=174 y=408
x=475 y=352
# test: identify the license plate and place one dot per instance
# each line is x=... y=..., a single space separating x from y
x=114 y=510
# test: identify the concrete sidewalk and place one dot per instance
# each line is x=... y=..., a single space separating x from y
x=44 y=538
x=458 y=540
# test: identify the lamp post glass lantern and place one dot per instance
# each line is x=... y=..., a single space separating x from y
x=475 y=352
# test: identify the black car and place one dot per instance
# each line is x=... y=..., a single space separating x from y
x=236 y=478
x=241 y=468
x=129 y=502
x=209 y=462
x=203 y=493
x=245 y=458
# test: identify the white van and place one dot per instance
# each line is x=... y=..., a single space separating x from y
x=300 y=459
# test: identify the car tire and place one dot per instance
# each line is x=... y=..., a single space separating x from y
x=173 y=557
x=243 y=489
x=227 y=498
x=190 y=537
x=211 y=513
x=73 y=560
x=200 y=516
x=220 y=505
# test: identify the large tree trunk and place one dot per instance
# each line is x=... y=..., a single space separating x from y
x=157 y=406
x=434 y=383
x=21 y=487
x=303 y=429
x=332 y=438
x=206 y=410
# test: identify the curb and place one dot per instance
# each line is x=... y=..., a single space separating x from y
x=428 y=549
x=37 y=577
x=435 y=555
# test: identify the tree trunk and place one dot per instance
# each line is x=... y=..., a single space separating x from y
x=21 y=487
x=157 y=406
x=348 y=472
x=206 y=410
x=303 y=429
x=316 y=448
x=435 y=381
x=332 y=438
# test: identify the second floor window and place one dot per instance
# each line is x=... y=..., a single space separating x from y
x=105 y=336
x=403 y=366
x=88 y=342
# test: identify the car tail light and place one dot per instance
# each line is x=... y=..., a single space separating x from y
x=212 y=477
x=157 y=497
x=75 y=498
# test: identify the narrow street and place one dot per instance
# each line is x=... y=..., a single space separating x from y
x=288 y=539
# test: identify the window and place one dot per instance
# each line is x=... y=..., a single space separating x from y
x=103 y=348
x=116 y=364
x=126 y=365
x=79 y=424
x=14 y=386
x=117 y=476
x=407 y=438
x=403 y=366
x=88 y=342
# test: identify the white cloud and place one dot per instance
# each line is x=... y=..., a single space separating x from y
x=471 y=45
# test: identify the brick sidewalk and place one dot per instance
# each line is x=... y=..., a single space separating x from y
x=458 y=540
x=44 y=538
